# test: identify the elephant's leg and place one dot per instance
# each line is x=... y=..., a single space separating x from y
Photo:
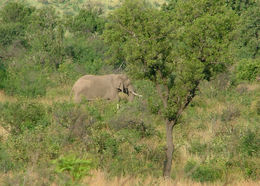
x=77 y=99
x=118 y=100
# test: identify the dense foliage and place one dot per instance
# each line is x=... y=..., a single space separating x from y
x=196 y=63
x=33 y=40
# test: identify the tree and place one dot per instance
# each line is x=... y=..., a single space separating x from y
x=14 y=19
x=239 y=6
x=248 y=33
x=48 y=49
x=87 y=21
x=176 y=48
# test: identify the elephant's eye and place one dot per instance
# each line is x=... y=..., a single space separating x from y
x=126 y=91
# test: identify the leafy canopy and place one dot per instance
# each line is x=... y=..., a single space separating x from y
x=175 y=47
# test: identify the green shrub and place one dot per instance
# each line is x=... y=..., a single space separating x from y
x=230 y=113
x=148 y=90
x=37 y=146
x=68 y=72
x=23 y=115
x=65 y=113
x=5 y=161
x=87 y=21
x=107 y=144
x=88 y=54
x=14 y=19
x=16 y=12
x=258 y=107
x=248 y=69
x=114 y=139
x=251 y=169
x=250 y=143
x=2 y=73
x=10 y=32
x=76 y=167
x=27 y=80
x=198 y=148
x=205 y=172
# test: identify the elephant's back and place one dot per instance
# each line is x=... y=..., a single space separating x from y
x=87 y=77
x=97 y=77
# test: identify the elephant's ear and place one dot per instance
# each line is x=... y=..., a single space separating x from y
x=121 y=86
x=118 y=83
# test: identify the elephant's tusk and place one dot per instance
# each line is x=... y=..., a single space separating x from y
x=136 y=94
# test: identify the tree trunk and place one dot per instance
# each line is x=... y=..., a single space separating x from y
x=170 y=149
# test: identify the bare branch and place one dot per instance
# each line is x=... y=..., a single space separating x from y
x=188 y=99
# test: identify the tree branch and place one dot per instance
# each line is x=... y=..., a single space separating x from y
x=188 y=99
x=128 y=31
x=166 y=96
x=159 y=91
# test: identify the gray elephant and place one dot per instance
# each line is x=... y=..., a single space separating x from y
x=107 y=87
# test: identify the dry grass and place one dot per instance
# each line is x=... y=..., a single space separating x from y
x=4 y=97
x=3 y=133
x=53 y=95
x=72 y=5
x=249 y=87
x=99 y=178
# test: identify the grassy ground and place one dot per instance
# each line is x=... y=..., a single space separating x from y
x=217 y=140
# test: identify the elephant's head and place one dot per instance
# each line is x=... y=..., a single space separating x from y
x=124 y=85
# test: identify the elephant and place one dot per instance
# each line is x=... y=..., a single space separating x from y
x=107 y=87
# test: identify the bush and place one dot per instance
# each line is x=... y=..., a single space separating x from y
x=107 y=144
x=88 y=54
x=68 y=72
x=5 y=162
x=23 y=115
x=2 y=73
x=250 y=143
x=198 y=148
x=248 y=69
x=72 y=117
x=16 y=12
x=117 y=144
x=27 y=80
x=65 y=113
x=205 y=172
x=230 y=113
x=251 y=169
x=148 y=90
x=76 y=167
x=38 y=146
x=87 y=21
x=258 y=107
x=15 y=17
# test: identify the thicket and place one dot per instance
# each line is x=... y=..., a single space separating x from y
x=94 y=135
x=41 y=50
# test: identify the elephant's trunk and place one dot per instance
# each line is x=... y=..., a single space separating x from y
x=130 y=93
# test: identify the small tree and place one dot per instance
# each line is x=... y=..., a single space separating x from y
x=175 y=47
x=248 y=33
x=85 y=22
x=47 y=50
